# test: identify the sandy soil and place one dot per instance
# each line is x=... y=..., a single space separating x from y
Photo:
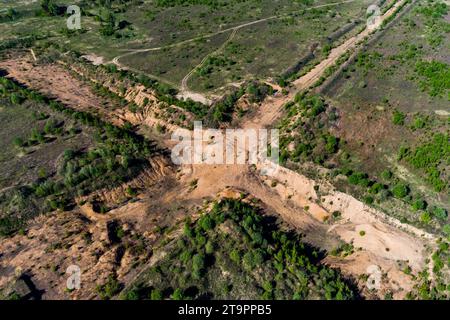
x=55 y=81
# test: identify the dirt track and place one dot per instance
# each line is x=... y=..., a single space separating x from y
x=386 y=240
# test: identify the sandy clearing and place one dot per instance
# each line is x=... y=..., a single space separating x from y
x=94 y=59
x=395 y=281
x=404 y=242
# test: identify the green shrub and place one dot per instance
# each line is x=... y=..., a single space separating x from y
x=16 y=98
x=386 y=175
x=209 y=247
x=376 y=188
x=206 y=223
x=425 y=217
x=446 y=229
x=428 y=157
x=369 y=199
x=435 y=77
x=132 y=295
x=198 y=263
x=440 y=213
x=156 y=295
x=358 y=179
x=419 y=123
x=419 y=204
x=177 y=294
x=235 y=256
x=18 y=142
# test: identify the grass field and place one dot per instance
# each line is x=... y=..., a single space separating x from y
x=400 y=84
x=172 y=64
x=284 y=43
x=262 y=50
x=382 y=124
x=387 y=73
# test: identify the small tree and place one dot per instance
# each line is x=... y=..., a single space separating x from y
x=425 y=217
x=206 y=222
x=386 y=175
x=11 y=14
x=15 y=98
x=156 y=295
x=446 y=230
x=400 y=191
x=209 y=247
x=109 y=24
x=235 y=256
x=110 y=288
x=440 y=213
x=69 y=154
x=198 y=264
x=49 y=7
x=419 y=204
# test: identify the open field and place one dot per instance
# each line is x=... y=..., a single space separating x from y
x=172 y=64
x=267 y=50
x=246 y=54
x=387 y=72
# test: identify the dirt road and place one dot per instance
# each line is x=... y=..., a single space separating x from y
x=271 y=108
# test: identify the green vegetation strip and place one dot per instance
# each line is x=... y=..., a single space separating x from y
x=235 y=252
